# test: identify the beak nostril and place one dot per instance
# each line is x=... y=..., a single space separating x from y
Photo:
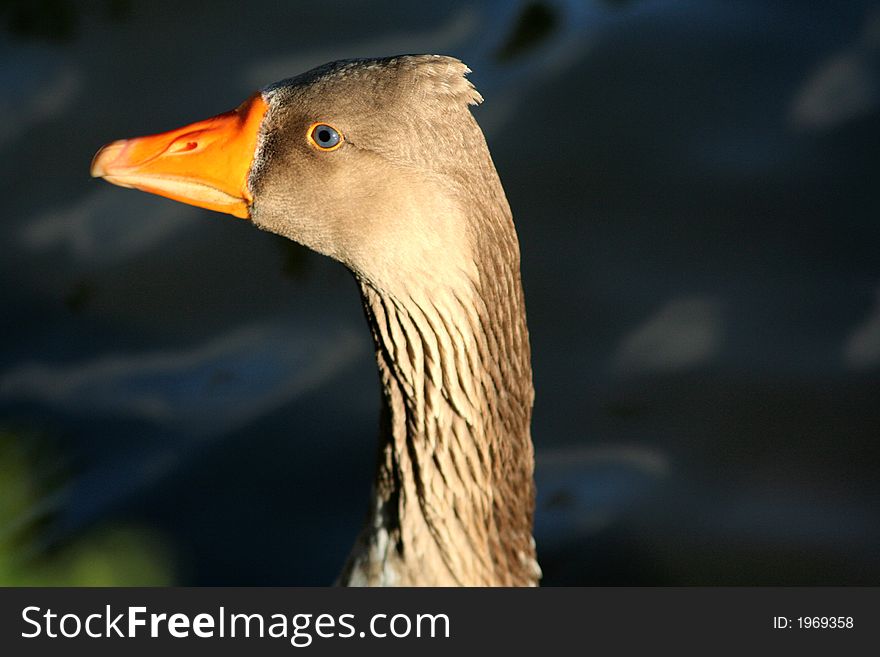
x=183 y=147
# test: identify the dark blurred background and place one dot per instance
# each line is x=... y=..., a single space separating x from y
x=185 y=399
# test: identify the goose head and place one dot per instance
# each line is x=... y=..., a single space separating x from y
x=371 y=162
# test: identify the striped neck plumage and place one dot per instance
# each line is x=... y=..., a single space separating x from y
x=454 y=495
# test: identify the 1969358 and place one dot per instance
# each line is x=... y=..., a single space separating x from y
x=814 y=622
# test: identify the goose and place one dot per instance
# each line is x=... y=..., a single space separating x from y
x=380 y=164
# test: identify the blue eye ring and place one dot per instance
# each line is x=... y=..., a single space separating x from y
x=324 y=137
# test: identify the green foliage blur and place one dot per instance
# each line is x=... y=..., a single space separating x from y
x=30 y=479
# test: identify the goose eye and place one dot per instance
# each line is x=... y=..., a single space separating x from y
x=325 y=137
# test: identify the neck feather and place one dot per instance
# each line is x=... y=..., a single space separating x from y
x=454 y=494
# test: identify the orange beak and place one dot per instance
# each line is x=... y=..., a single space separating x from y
x=204 y=164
